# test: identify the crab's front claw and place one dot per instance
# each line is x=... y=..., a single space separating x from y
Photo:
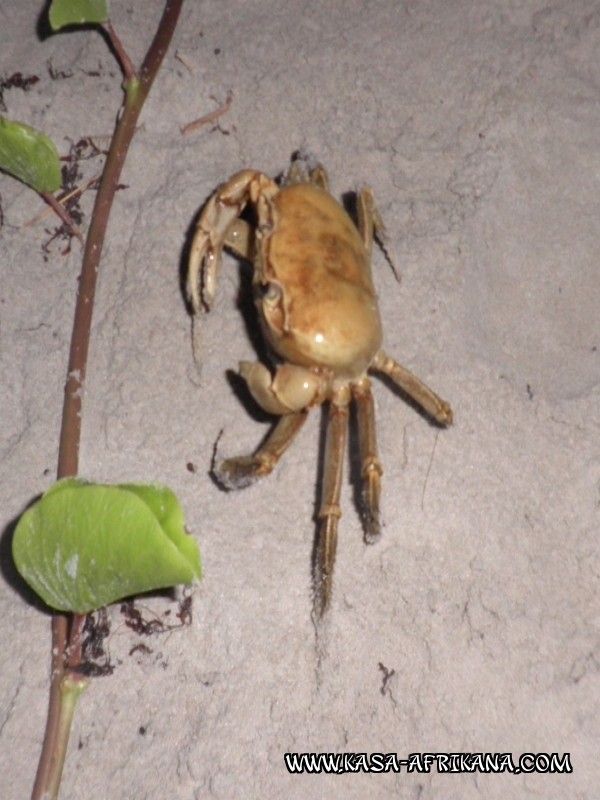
x=292 y=389
x=205 y=254
x=220 y=227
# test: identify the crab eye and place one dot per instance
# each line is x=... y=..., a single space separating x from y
x=272 y=294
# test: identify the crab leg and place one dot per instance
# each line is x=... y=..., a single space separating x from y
x=371 y=468
x=329 y=513
x=414 y=387
x=370 y=226
x=369 y=218
x=237 y=473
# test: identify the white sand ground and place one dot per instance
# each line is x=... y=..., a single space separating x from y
x=473 y=626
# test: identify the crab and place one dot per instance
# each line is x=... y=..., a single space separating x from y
x=318 y=311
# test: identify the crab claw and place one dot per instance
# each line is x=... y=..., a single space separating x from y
x=205 y=255
x=292 y=389
x=219 y=227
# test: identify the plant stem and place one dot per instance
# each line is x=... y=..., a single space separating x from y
x=61 y=702
x=136 y=91
x=74 y=649
x=62 y=213
x=70 y=688
x=60 y=631
x=128 y=68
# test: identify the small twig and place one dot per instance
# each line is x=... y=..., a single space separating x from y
x=184 y=61
x=63 y=214
x=191 y=127
x=62 y=200
x=388 y=674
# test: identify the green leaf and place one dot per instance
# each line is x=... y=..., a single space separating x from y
x=85 y=545
x=77 y=12
x=30 y=156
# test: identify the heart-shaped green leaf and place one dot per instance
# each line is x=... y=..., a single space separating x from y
x=77 y=12
x=84 y=545
x=30 y=156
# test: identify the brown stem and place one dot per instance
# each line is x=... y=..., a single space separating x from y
x=136 y=91
x=135 y=95
x=74 y=648
x=60 y=631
